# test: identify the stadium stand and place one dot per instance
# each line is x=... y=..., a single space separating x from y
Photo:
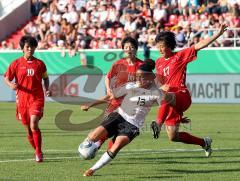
x=101 y=24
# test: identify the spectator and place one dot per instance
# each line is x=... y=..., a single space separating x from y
x=109 y=20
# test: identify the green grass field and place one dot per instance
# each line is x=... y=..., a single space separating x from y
x=144 y=159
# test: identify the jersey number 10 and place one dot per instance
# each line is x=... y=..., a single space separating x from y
x=30 y=72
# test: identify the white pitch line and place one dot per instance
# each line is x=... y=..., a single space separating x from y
x=23 y=160
x=122 y=153
x=125 y=150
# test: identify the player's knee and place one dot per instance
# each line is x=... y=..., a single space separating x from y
x=97 y=134
x=34 y=126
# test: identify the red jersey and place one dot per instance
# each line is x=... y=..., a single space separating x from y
x=173 y=70
x=121 y=73
x=28 y=75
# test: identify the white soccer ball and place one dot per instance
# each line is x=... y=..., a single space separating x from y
x=87 y=150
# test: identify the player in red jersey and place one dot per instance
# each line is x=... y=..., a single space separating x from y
x=121 y=72
x=28 y=73
x=171 y=72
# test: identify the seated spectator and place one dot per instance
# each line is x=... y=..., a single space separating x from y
x=95 y=23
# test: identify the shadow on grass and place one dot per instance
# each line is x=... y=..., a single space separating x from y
x=159 y=177
x=203 y=171
x=162 y=157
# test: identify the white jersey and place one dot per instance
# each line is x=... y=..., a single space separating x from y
x=137 y=102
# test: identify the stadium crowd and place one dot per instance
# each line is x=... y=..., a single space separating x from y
x=101 y=24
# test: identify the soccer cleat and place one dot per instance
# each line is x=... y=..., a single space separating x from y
x=155 y=129
x=185 y=120
x=207 y=147
x=88 y=173
x=39 y=157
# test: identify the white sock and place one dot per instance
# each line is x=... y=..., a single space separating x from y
x=98 y=143
x=105 y=158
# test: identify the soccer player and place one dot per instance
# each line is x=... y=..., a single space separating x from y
x=124 y=123
x=171 y=71
x=121 y=72
x=28 y=73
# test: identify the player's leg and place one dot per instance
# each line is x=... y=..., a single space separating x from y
x=35 y=114
x=97 y=134
x=104 y=137
x=22 y=114
x=123 y=132
x=162 y=112
x=110 y=108
x=110 y=154
x=30 y=135
x=105 y=130
x=37 y=137
x=183 y=102
x=184 y=137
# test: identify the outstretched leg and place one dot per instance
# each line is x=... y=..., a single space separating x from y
x=184 y=137
x=119 y=143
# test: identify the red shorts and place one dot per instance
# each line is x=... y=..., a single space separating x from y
x=173 y=115
x=24 y=113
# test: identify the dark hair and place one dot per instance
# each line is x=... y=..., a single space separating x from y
x=148 y=65
x=131 y=40
x=168 y=38
x=28 y=39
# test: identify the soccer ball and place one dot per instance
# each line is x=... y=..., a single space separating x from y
x=87 y=150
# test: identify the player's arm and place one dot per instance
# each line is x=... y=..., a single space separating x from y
x=12 y=85
x=107 y=84
x=102 y=100
x=204 y=43
x=10 y=75
x=122 y=90
x=46 y=84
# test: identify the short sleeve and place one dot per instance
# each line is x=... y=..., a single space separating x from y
x=122 y=90
x=112 y=72
x=44 y=68
x=11 y=71
x=187 y=55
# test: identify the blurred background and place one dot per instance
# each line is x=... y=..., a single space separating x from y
x=73 y=33
x=101 y=24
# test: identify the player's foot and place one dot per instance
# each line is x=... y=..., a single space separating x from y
x=39 y=157
x=207 y=147
x=88 y=173
x=155 y=129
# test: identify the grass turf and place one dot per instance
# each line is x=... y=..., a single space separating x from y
x=144 y=159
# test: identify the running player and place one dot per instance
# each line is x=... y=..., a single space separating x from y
x=124 y=123
x=28 y=73
x=171 y=71
x=121 y=72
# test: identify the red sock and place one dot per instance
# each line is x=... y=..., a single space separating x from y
x=103 y=139
x=37 y=137
x=162 y=112
x=31 y=141
x=189 y=139
x=110 y=143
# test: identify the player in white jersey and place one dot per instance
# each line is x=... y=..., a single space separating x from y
x=125 y=122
